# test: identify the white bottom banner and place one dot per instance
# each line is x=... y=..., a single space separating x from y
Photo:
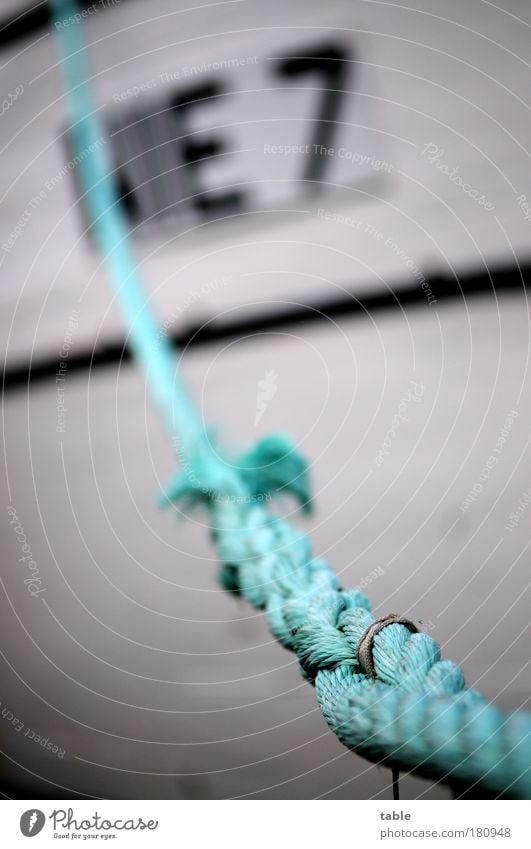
x=264 y=824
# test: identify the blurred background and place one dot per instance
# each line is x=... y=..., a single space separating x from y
x=330 y=205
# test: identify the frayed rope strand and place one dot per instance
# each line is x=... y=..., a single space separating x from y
x=414 y=712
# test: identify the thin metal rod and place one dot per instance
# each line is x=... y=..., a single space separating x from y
x=396 y=789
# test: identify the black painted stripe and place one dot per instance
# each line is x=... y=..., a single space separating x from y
x=36 y=17
x=443 y=288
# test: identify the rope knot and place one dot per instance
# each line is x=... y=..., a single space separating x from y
x=201 y=479
x=272 y=467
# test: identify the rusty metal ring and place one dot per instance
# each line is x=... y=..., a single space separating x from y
x=366 y=643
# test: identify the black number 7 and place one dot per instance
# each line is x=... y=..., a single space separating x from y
x=330 y=62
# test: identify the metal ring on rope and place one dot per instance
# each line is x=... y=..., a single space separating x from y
x=366 y=643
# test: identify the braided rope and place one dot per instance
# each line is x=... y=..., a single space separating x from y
x=412 y=710
x=416 y=713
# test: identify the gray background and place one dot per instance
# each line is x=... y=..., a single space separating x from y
x=155 y=682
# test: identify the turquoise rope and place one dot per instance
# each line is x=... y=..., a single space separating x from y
x=149 y=346
x=416 y=714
